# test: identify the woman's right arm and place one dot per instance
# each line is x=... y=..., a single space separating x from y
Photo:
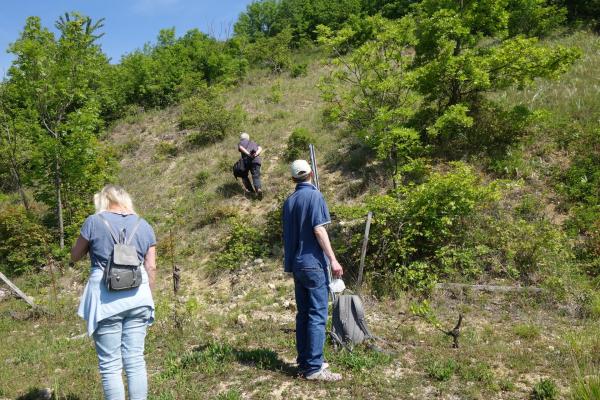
x=150 y=265
x=80 y=249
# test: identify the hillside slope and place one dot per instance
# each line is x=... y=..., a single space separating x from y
x=228 y=334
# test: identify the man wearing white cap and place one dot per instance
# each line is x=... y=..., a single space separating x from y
x=251 y=155
x=306 y=246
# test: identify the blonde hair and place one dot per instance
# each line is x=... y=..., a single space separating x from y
x=112 y=195
x=244 y=136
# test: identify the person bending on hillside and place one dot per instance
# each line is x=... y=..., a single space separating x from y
x=251 y=156
x=117 y=320
x=306 y=244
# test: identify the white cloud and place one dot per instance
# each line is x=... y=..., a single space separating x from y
x=149 y=7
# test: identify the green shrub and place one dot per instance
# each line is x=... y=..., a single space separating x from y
x=131 y=146
x=299 y=70
x=212 y=358
x=530 y=251
x=243 y=243
x=273 y=53
x=297 y=144
x=166 y=150
x=361 y=359
x=526 y=331
x=275 y=94
x=201 y=178
x=23 y=241
x=476 y=372
x=208 y=119
x=231 y=394
x=441 y=370
x=545 y=389
x=411 y=230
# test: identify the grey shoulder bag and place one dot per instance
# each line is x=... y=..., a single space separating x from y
x=123 y=270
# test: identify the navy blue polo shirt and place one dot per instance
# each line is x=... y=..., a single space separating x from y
x=303 y=211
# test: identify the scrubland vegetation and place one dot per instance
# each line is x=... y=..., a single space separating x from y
x=470 y=129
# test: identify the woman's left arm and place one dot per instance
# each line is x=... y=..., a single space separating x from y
x=150 y=265
x=80 y=249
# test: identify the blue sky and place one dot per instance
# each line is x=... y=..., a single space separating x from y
x=129 y=23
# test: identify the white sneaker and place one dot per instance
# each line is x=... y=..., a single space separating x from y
x=324 y=374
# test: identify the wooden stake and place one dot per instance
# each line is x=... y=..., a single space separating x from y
x=175 y=268
x=18 y=291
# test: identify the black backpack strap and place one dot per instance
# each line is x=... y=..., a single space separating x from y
x=134 y=230
x=110 y=229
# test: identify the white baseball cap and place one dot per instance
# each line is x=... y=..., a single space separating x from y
x=300 y=168
x=244 y=135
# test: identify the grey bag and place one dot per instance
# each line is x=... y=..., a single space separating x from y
x=124 y=269
x=348 y=321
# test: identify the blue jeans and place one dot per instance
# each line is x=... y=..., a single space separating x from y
x=120 y=341
x=311 y=301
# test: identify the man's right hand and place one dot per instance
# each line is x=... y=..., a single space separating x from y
x=336 y=269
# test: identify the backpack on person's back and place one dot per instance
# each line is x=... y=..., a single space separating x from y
x=124 y=269
x=239 y=168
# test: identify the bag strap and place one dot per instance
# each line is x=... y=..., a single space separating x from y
x=114 y=235
x=110 y=229
x=134 y=230
x=360 y=316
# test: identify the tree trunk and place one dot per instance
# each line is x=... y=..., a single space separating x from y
x=17 y=178
x=59 y=206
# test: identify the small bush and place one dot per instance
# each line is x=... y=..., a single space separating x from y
x=299 y=70
x=273 y=53
x=244 y=243
x=166 y=150
x=297 y=144
x=208 y=118
x=477 y=372
x=131 y=146
x=23 y=241
x=416 y=234
x=212 y=358
x=527 y=331
x=441 y=370
x=360 y=359
x=201 y=178
x=545 y=389
x=231 y=394
x=275 y=95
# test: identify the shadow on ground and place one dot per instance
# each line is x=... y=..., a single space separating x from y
x=230 y=189
x=260 y=358
x=45 y=394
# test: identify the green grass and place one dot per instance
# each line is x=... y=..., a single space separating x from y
x=526 y=331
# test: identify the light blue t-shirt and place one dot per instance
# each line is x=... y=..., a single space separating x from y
x=97 y=302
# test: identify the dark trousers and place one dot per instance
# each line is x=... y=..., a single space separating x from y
x=253 y=169
x=311 y=301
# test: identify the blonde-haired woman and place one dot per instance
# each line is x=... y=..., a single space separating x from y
x=117 y=320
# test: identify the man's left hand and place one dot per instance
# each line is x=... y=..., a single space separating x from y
x=336 y=269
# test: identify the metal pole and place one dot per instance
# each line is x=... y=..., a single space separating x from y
x=313 y=165
x=363 y=251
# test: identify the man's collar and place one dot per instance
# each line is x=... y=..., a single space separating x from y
x=305 y=185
